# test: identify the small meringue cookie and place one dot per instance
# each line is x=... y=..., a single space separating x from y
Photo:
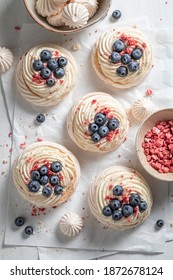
x=142 y=109
x=6 y=59
x=75 y=15
x=71 y=224
x=47 y=8
x=56 y=20
x=91 y=5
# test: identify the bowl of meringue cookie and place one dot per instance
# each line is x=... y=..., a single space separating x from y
x=63 y=16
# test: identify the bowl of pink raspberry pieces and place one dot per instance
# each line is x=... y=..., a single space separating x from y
x=154 y=144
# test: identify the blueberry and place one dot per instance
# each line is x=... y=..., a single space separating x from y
x=160 y=223
x=35 y=175
x=62 y=61
x=58 y=189
x=19 y=221
x=113 y=124
x=136 y=53
x=56 y=166
x=46 y=73
x=47 y=191
x=115 y=204
x=103 y=131
x=117 y=215
x=107 y=211
x=116 y=14
x=134 y=199
x=52 y=64
x=118 y=46
x=29 y=230
x=59 y=73
x=100 y=119
x=127 y=210
x=44 y=180
x=54 y=180
x=45 y=55
x=115 y=57
x=142 y=206
x=117 y=190
x=38 y=65
x=50 y=82
x=95 y=137
x=40 y=118
x=122 y=71
x=43 y=170
x=34 y=186
x=133 y=66
x=126 y=58
x=93 y=127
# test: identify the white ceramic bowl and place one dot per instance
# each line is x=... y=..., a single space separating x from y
x=149 y=123
x=101 y=13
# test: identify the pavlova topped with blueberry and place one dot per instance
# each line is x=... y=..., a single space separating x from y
x=98 y=123
x=120 y=198
x=46 y=74
x=122 y=57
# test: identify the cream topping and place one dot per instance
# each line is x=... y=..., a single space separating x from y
x=84 y=112
x=101 y=191
x=38 y=154
x=6 y=59
x=75 y=15
x=71 y=224
x=107 y=70
x=36 y=91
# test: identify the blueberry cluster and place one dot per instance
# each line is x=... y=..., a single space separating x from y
x=42 y=177
x=49 y=67
x=102 y=126
x=117 y=209
x=129 y=61
x=19 y=222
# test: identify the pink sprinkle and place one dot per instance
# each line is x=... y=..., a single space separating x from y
x=10 y=133
x=149 y=92
x=39 y=139
x=23 y=145
x=10 y=150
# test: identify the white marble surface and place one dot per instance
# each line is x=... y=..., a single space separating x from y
x=13 y=14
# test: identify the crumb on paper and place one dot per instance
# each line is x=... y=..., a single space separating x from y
x=149 y=92
x=76 y=47
x=17 y=28
x=135 y=26
x=22 y=145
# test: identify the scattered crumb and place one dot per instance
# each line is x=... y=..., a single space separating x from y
x=23 y=145
x=76 y=47
x=149 y=92
x=4 y=162
x=17 y=27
